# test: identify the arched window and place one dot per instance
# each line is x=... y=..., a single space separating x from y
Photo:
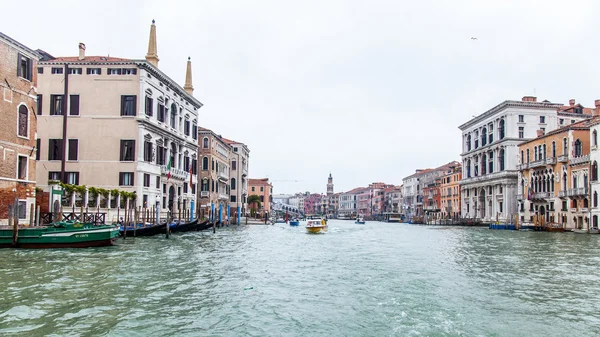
x=501 y=129
x=578 y=149
x=205 y=143
x=543 y=154
x=565 y=150
x=574 y=181
x=205 y=164
x=553 y=149
x=564 y=186
x=232 y=183
x=595 y=138
x=586 y=203
x=491 y=162
x=552 y=182
x=501 y=159
x=173 y=115
x=205 y=185
x=483 y=137
x=476 y=139
x=483 y=160
x=527 y=156
x=594 y=171
x=535 y=156
x=469 y=168
x=595 y=200
x=23 y=121
x=595 y=221
x=522 y=157
x=469 y=143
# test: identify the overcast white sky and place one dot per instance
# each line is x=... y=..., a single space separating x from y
x=369 y=90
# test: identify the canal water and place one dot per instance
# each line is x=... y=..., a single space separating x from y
x=357 y=280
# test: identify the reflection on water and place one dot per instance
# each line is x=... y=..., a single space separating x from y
x=357 y=280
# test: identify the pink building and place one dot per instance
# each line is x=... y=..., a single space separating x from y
x=312 y=204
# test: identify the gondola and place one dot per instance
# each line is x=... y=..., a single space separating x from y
x=144 y=230
x=193 y=225
x=203 y=226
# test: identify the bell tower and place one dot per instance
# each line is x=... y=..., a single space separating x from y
x=329 y=185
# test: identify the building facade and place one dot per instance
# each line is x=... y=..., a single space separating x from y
x=594 y=161
x=450 y=193
x=348 y=203
x=239 y=162
x=214 y=173
x=489 y=155
x=264 y=190
x=144 y=138
x=18 y=132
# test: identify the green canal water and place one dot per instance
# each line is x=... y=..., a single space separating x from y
x=373 y=280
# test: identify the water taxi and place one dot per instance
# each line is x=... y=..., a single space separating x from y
x=316 y=225
x=294 y=222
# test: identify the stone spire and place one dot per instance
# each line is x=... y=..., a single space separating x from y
x=152 y=57
x=188 y=87
x=329 y=185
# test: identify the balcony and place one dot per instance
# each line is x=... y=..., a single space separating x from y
x=563 y=159
x=551 y=161
x=175 y=173
x=223 y=196
x=578 y=192
x=541 y=196
x=562 y=194
x=244 y=171
x=573 y=210
x=580 y=160
x=584 y=210
x=519 y=197
x=521 y=167
x=223 y=176
x=490 y=176
x=537 y=163
x=204 y=194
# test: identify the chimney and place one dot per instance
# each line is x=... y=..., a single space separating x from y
x=529 y=99
x=597 y=110
x=572 y=102
x=81 y=50
x=540 y=133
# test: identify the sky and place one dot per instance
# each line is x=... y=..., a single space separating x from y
x=365 y=90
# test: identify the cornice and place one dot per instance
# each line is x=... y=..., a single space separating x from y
x=155 y=128
x=509 y=104
x=143 y=64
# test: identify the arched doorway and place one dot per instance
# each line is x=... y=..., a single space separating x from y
x=171 y=198
x=542 y=213
x=482 y=203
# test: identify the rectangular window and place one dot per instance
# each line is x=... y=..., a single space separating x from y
x=23 y=121
x=145 y=200
x=262 y=198
x=113 y=71
x=129 y=71
x=75 y=71
x=194 y=131
x=57 y=70
x=561 y=121
x=500 y=206
x=128 y=105
x=38 y=144
x=73 y=149
x=94 y=71
x=149 y=108
x=542 y=119
x=235 y=149
x=164 y=188
x=125 y=178
x=521 y=132
x=72 y=178
x=127 y=150
x=24 y=69
x=40 y=70
x=22 y=168
x=158 y=182
x=56 y=105
x=53 y=176
x=55 y=149
x=22 y=209
x=148 y=152
x=233 y=198
x=161 y=113
x=521 y=119
x=74 y=105
x=194 y=166
x=185 y=188
x=252 y=188
x=262 y=189
x=234 y=165
x=193 y=188
x=186 y=127
x=160 y=155
x=146 y=180
x=39 y=103
x=531 y=206
x=186 y=164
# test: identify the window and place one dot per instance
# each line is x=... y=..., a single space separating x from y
x=205 y=164
x=194 y=166
x=572 y=121
x=484 y=137
x=469 y=143
x=578 y=148
x=262 y=189
x=204 y=186
x=235 y=149
x=149 y=107
x=595 y=200
x=500 y=206
x=595 y=171
x=501 y=130
x=205 y=143
x=561 y=121
x=72 y=178
x=527 y=156
x=38 y=144
x=56 y=105
x=160 y=155
x=252 y=188
x=193 y=188
x=161 y=113
x=148 y=152
x=173 y=115
x=501 y=160
x=25 y=67
x=55 y=149
x=22 y=168
x=53 y=175
x=158 y=182
x=75 y=71
x=185 y=188
x=186 y=127
x=145 y=200
x=127 y=152
x=194 y=131
x=129 y=71
x=542 y=119
x=553 y=149
x=125 y=178
x=40 y=70
x=186 y=164
x=521 y=132
x=535 y=156
x=113 y=71
x=23 y=130
x=234 y=165
x=233 y=198
x=39 y=103
x=595 y=138
x=57 y=70
x=262 y=198
x=73 y=150
x=146 y=180
x=521 y=119
x=94 y=71
x=128 y=105
x=232 y=183
x=74 y=105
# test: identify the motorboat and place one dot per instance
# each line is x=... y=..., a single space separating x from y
x=360 y=221
x=294 y=222
x=316 y=226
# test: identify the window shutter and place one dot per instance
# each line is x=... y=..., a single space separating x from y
x=73 y=149
x=120 y=178
x=19 y=66
x=39 y=103
x=134 y=105
x=122 y=105
x=122 y=151
x=74 y=105
x=38 y=144
x=30 y=69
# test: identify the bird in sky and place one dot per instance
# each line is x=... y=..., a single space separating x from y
x=473 y=38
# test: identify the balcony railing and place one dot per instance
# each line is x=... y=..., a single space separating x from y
x=223 y=176
x=495 y=175
x=563 y=159
x=223 y=196
x=537 y=163
x=562 y=194
x=204 y=194
x=244 y=171
x=521 y=167
x=581 y=159
x=550 y=161
x=584 y=210
x=175 y=172
x=541 y=195
x=575 y=192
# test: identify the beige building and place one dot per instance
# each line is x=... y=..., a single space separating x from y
x=18 y=73
x=117 y=123
x=214 y=173
x=239 y=159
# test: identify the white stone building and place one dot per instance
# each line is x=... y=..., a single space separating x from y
x=490 y=155
x=594 y=181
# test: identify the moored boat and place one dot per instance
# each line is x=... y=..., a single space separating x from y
x=193 y=225
x=316 y=226
x=60 y=235
x=143 y=230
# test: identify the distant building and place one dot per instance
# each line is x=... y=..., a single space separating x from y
x=18 y=131
x=348 y=203
x=450 y=193
x=239 y=162
x=263 y=189
x=214 y=172
x=329 y=185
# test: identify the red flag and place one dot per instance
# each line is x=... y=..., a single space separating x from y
x=191 y=172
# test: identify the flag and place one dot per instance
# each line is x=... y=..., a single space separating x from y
x=191 y=172
x=169 y=168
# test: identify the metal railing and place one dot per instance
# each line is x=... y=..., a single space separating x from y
x=175 y=172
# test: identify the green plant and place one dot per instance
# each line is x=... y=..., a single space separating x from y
x=80 y=189
x=38 y=190
x=53 y=182
x=104 y=192
x=114 y=193
x=93 y=192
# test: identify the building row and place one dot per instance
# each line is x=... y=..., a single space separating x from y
x=115 y=124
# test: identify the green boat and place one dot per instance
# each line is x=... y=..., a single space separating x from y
x=60 y=235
